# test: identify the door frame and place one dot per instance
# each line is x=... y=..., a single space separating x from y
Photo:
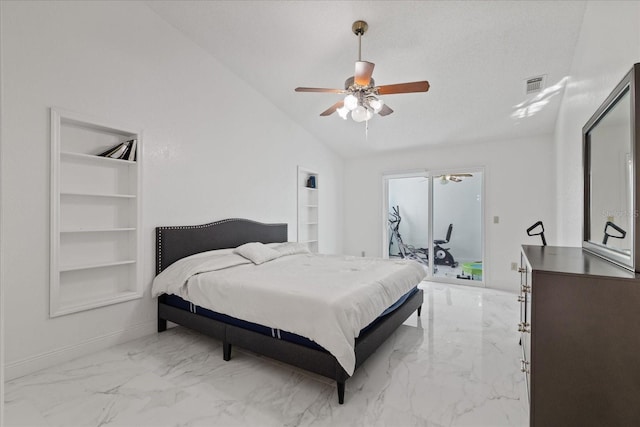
x=430 y=174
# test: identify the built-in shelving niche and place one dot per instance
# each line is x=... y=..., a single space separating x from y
x=95 y=215
x=308 y=207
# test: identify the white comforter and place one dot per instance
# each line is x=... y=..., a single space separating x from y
x=327 y=299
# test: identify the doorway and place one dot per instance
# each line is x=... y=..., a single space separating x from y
x=445 y=204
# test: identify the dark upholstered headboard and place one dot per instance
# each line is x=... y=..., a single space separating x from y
x=174 y=243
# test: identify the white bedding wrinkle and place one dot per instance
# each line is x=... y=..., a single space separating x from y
x=293 y=248
x=325 y=298
x=173 y=279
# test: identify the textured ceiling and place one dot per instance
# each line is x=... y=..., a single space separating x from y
x=475 y=54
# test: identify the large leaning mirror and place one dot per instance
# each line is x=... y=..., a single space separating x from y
x=610 y=149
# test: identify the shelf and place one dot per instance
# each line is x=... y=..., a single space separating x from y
x=308 y=207
x=98 y=230
x=80 y=304
x=75 y=194
x=97 y=265
x=96 y=233
x=94 y=158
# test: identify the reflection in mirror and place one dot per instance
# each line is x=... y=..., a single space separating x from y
x=611 y=226
x=611 y=178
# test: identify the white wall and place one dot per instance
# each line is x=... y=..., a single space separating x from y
x=519 y=188
x=608 y=45
x=207 y=156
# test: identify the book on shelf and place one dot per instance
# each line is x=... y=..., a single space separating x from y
x=131 y=152
x=120 y=152
x=112 y=150
x=125 y=155
x=125 y=151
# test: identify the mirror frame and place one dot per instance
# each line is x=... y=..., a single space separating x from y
x=631 y=81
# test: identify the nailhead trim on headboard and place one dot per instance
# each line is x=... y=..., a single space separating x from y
x=188 y=227
x=159 y=250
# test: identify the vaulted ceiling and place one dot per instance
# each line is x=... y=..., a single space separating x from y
x=476 y=55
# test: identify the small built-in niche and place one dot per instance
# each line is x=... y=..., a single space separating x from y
x=308 y=207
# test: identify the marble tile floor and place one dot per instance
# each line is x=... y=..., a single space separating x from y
x=457 y=365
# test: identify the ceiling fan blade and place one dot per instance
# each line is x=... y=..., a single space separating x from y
x=422 y=86
x=385 y=111
x=318 y=89
x=332 y=109
x=461 y=174
x=363 y=73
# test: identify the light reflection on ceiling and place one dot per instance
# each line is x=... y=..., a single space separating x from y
x=534 y=105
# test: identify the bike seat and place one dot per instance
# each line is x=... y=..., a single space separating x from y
x=440 y=242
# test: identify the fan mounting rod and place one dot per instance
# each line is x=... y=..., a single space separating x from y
x=359 y=28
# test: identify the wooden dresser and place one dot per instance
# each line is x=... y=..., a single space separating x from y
x=580 y=325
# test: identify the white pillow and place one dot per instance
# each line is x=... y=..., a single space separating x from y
x=257 y=252
x=292 y=248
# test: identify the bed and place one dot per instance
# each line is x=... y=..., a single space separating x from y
x=175 y=243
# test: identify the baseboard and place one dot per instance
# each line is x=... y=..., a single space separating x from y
x=55 y=357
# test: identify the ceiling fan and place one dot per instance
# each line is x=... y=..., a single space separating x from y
x=362 y=99
x=456 y=177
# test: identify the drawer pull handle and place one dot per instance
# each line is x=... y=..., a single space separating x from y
x=521 y=298
x=525 y=289
x=522 y=270
x=524 y=366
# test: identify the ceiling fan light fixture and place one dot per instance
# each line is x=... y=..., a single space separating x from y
x=360 y=114
x=343 y=112
x=369 y=114
x=361 y=92
x=350 y=102
x=376 y=104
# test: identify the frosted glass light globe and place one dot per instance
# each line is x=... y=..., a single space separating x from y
x=369 y=114
x=343 y=112
x=376 y=104
x=350 y=102
x=359 y=114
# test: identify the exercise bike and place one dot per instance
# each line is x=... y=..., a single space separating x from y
x=442 y=255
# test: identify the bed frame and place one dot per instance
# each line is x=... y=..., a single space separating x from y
x=174 y=243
